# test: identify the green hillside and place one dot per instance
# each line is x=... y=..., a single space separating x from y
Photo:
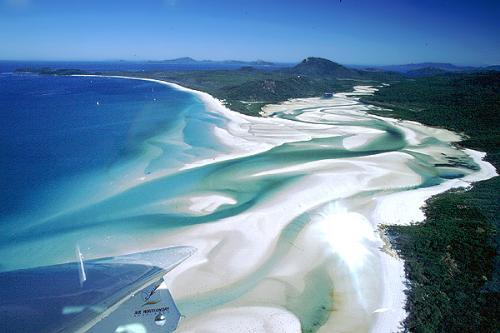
x=451 y=259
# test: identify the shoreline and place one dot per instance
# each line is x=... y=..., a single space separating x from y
x=393 y=269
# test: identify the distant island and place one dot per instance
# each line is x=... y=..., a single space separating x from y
x=438 y=65
x=427 y=69
x=189 y=60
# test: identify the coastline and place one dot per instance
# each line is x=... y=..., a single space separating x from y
x=389 y=312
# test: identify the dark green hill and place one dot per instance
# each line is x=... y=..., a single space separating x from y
x=427 y=71
x=182 y=60
x=451 y=260
x=412 y=67
x=247 y=89
x=323 y=67
x=493 y=68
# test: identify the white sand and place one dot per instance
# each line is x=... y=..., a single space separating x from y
x=243 y=319
x=256 y=238
x=342 y=239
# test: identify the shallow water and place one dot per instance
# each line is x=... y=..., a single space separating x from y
x=284 y=210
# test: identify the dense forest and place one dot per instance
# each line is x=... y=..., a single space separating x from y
x=451 y=259
x=248 y=89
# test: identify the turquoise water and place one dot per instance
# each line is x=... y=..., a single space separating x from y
x=59 y=127
x=59 y=134
x=103 y=163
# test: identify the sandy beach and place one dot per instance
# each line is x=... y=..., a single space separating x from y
x=285 y=215
x=365 y=297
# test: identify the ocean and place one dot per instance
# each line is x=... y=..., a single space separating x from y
x=56 y=128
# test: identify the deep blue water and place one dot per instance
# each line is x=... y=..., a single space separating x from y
x=57 y=127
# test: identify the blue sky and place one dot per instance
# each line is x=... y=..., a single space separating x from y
x=347 y=31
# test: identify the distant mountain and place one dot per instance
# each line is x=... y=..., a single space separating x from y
x=438 y=65
x=182 y=60
x=320 y=66
x=189 y=61
x=244 y=63
x=247 y=69
x=261 y=62
x=492 y=68
x=55 y=71
x=427 y=71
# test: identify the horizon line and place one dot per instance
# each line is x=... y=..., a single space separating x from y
x=271 y=61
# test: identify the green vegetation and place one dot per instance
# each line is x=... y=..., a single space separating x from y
x=51 y=71
x=246 y=90
x=467 y=103
x=449 y=263
x=451 y=259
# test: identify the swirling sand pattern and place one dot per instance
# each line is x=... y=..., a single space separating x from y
x=285 y=214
